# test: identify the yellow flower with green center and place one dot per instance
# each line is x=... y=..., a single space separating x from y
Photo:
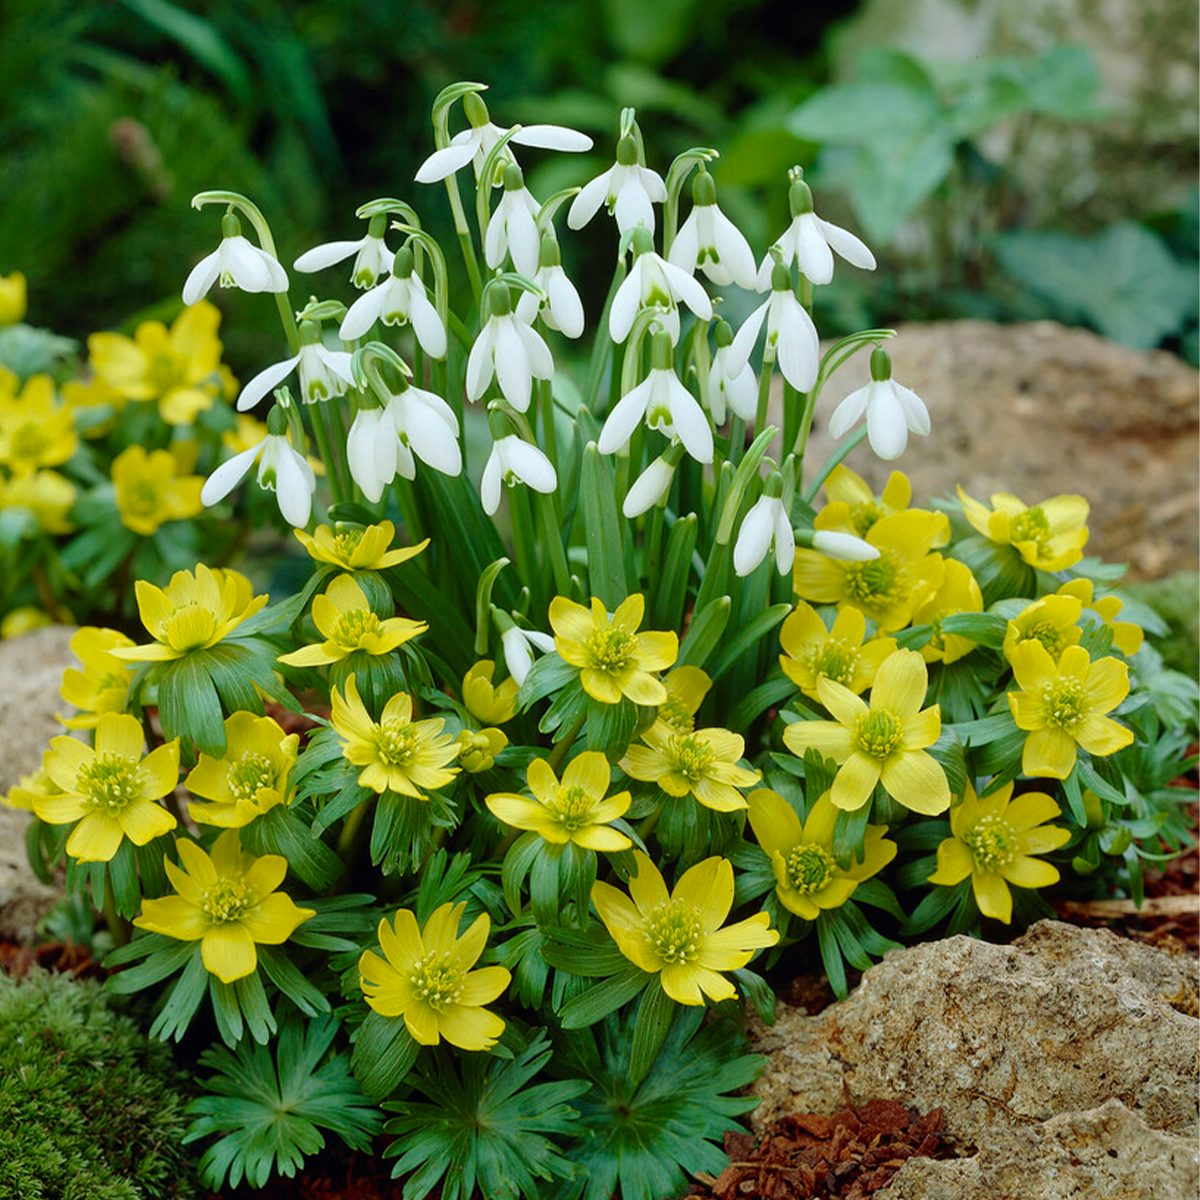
x=881 y=743
x=1062 y=707
x=110 y=789
x=426 y=977
x=30 y=789
x=888 y=589
x=228 y=902
x=1126 y=636
x=614 y=660
x=151 y=491
x=807 y=876
x=13 y=298
x=959 y=593
x=686 y=688
x=1053 y=621
x=194 y=611
x=853 y=508
x=345 y=618
x=491 y=704
x=477 y=748
x=35 y=429
x=249 y=778
x=678 y=936
x=1049 y=536
x=179 y=368
x=46 y=494
x=811 y=652
x=92 y=392
x=103 y=684
x=357 y=547
x=703 y=763
x=577 y=810
x=397 y=754
x=22 y=620
x=993 y=841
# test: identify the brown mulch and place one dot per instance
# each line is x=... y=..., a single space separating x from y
x=848 y=1156
x=17 y=960
x=336 y=1174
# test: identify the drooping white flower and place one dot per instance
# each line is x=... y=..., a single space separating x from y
x=561 y=307
x=475 y=142
x=513 y=226
x=845 y=546
x=399 y=300
x=236 y=262
x=791 y=335
x=425 y=426
x=653 y=283
x=514 y=461
x=892 y=411
x=766 y=524
x=739 y=391
x=511 y=351
x=649 y=488
x=281 y=469
x=665 y=404
x=518 y=645
x=371 y=452
x=709 y=241
x=372 y=258
x=809 y=242
x=324 y=373
x=629 y=190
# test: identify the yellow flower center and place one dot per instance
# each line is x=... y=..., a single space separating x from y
x=1046 y=633
x=344 y=544
x=692 y=758
x=198 y=632
x=863 y=516
x=437 y=980
x=879 y=733
x=992 y=842
x=809 y=868
x=610 y=649
x=674 y=929
x=572 y=807
x=355 y=626
x=1030 y=526
x=30 y=441
x=142 y=498
x=226 y=901
x=109 y=782
x=1064 y=703
x=881 y=581
x=395 y=742
x=675 y=713
x=836 y=660
x=251 y=772
x=118 y=679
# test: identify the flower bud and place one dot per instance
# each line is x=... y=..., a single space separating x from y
x=649 y=488
x=881 y=365
x=845 y=546
x=704 y=190
x=627 y=151
x=475 y=110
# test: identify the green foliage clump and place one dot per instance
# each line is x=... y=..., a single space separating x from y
x=90 y=1109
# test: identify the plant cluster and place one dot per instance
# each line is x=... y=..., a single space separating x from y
x=484 y=833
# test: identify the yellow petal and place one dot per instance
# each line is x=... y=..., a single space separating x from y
x=1043 y=839
x=600 y=838
x=954 y=862
x=422 y=1023
x=484 y=986
x=914 y=779
x=120 y=734
x=1032 y=666
x=143 y=820
x=854 y=782
x=992 y=895
x=1102 y=735
x=847 y=708
x=1107 y=684
x=647 y=886
x=708 y=888
x=923 y=729
x=642 y=688
x=656 y=651
x=1049 y=753
x=469 y=1028
x=519 y=812
x=600 y=685
x=1028 y=710
x=775 y=823
x=900 y=684
x=624 y=923
x=174 y=917
x=275 y=918
x=95 y=839
x=400 y=940
x=589 y=771
x=158 y=772
x=570 y=621
x=228 y=952
x=1030 y=809
x=828 y=737
x=471 y=945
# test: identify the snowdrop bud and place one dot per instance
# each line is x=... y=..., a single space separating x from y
x=402 y=265
x=723 y=333
x=475 y=110
x=766 y=524
x=549 y=254
x=277 y=421
x=881 y=364
x=627 y=154
x=781 y=278
x=800 y=198
x=845 y=546
x=649 y=488
x=704 y=191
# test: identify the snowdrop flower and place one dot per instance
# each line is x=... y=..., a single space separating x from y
x=652 y=485
x=371 y=452
x=892 y=411
x=372 y=258
x=514 y=461
x=236 y=262
x=424 y=425
x=561 y=308
x=808 y=241
x=324 y=374
x=737 y=391
x=399 y=300
x=844 y=546
x=766 y=524
x=511 y=351
x=513 y=227
x=518 y=645
x=628 y=189
x=281 y=469
x=710 y=241
x=475 y=142
x=654 y=283
x=665 y=404
x=791 y=335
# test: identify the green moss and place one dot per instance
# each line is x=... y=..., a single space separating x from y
x=89 y=1107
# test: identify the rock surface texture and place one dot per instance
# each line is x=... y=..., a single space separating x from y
x=1061 y=1057
x=31 y=669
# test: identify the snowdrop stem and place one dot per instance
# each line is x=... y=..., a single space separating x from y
x=838 y=456
x=654 y=544
x=806 y=420
x=737 y=438
x=603 y=345
x=701 y=361
x=324 y=442
x=407 y=497
x=552 y=529
x=545 y=405
x=525 y=543
x=764 y=389
x=463 y=232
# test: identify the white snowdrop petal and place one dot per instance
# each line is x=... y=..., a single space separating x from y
x=495 y=240
x=587 y=204
x=652 y=184
x=565 y=305
x=735 y=252
x=338 y=361
x=228 y=475
x=686 y=246
x=849 y=411
x=517 y=656
x=552 y=137
x=785 y=541
x=406 y=465
x=246 y=267
x=541 y=361
x=716 y=386
x=437 y=406
x=480 y=366
x=915 y=412
x=427 y=325
x=625 y=415
x=432 y=442
x=799 y=350
x=524 y=241
x=845 y=546
x=489 y=484
x=648 y=488
x=742 y=393
x=530 y=465
x=201 y=278
x=327 y=255
x=633 y=207
x=513 y=370
x=443 y=163
x=278 y=276
x=689 y=289
x=812 y=251
x=691 y=425
x=540 y=641
x=361 y=452
x=744 y=340
x=887 y=430
x=853 y=249
x=362 y=314
x=264 y=381
x=292 y=491
x=528 y=305
x=625 y=304
x=753 y=538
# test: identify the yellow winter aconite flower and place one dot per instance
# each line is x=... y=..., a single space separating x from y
x=249 y=778
x=426 y=977
x=103 y=684
x=344 y=615
x=357 y=547
x=194 y=611
x=1062 y=706
x=30 y=789
x=111 y=790
x=35 y=430
x=492 y=704
x=228 y=902
x=884 y=742
x=614 y=660
x=889 y=588
x=854 y=508
x=177 y=367
x=13 y=298
x=1126 y=636
x=678 y=936
x=91 y=392
x=959 y=593
x=19 y=621
x=807 y=876
x=576 y=810
x=151 y=490
x=703 y=763
x=396 y=753
x=46 y=494
x=811 y=652
x=1053 y=621
x=686 y=688
x=994 y=839
x=1050 y=535
x=477 y=748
